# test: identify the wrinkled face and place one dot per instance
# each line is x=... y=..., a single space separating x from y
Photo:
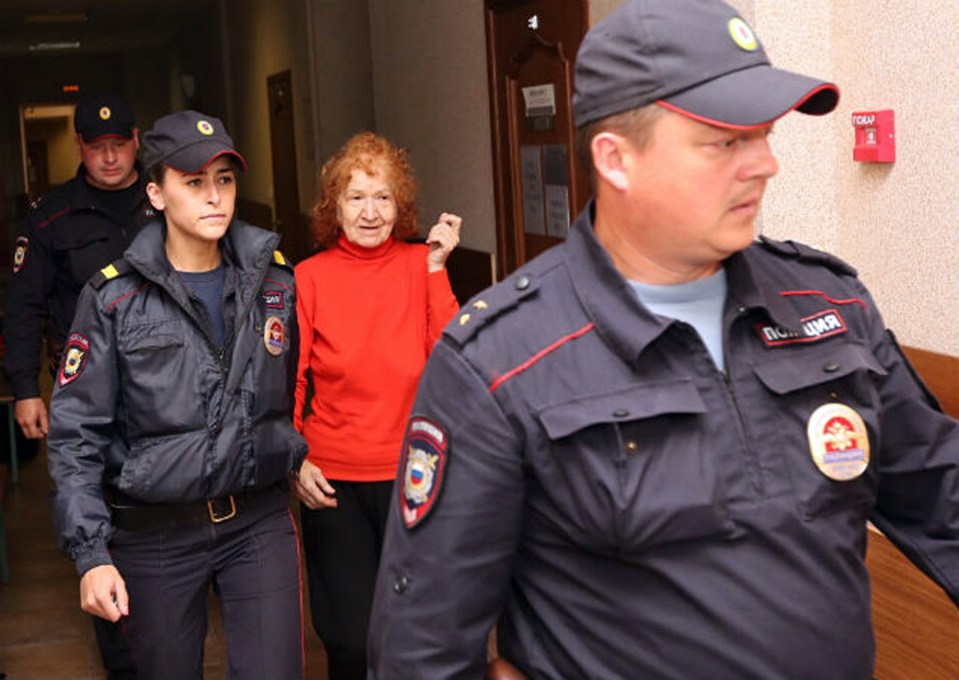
x=110 y=161
x=197 y=207
x=696 y=190
x=367 y=208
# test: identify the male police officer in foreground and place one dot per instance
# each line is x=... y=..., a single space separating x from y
x=652 y=452
x=70 y=234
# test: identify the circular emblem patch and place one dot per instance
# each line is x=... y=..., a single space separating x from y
x=20 y=254
x=205 y=127
x=105 y=113
x=273 y=336
x=838 y=442
x=742 y=34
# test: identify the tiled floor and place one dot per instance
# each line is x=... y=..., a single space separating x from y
x=43 y=633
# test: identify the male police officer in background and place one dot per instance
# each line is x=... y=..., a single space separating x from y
x=71 y=234
x=653 y=451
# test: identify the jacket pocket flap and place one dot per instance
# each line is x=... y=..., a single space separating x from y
x=636 y=402
x=815 y=366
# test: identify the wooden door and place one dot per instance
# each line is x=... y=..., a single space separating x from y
x=539 y=186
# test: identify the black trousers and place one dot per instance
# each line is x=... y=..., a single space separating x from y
x=342 y=546
x=252 y=564
x=114 y=651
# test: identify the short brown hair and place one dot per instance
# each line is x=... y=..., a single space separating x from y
x=365 y=151
x=634 y=124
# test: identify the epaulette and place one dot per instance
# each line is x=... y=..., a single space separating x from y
x=279 y=259
x=110 y=272
x=800 y=251
x=490 y=304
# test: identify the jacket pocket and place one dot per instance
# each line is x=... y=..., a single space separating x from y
x=839 y=377
x=159 y=378
x=638 y=460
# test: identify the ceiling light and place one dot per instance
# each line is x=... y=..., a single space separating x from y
x=53 y=46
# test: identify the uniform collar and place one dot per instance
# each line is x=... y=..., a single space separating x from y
x=626 y=324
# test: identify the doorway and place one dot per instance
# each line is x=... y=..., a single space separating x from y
x=48 y=148
x=539 y=186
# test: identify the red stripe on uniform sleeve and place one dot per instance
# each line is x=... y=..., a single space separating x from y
x=539 y=355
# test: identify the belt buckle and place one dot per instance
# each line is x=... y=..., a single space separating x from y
x=215 y=517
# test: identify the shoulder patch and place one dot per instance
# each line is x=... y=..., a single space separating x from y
x=73 y=359
x=424 y=459
x=489 y=304
x=20 y=254
x=111 y=271
x=800 y=251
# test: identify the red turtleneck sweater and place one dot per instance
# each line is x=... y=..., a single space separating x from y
x=368 y=318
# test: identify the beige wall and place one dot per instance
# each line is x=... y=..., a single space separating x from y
x=896 y=223
x=431 y=95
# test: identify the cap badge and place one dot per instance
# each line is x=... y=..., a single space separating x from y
x=105 y=113
x=204 y=127
x=743 y=35
x=838 y=442
x=273 y=335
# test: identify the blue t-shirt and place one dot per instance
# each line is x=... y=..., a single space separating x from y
x=208 y=287
x=699 y=303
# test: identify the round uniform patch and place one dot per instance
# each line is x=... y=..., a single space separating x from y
x=105 y=113
x=205 y=127
x=20 y=254
x=274 y=334
x=75 y=354
x=743 y=35
x=838 y=442
x=423 y=465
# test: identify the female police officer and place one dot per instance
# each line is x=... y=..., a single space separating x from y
x=171 y=436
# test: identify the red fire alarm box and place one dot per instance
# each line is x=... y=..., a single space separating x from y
x=875 y=136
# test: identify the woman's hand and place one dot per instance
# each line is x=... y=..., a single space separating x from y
x=312 y=487
x=444 y=236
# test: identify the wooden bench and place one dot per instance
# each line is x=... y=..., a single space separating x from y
x=917 y=625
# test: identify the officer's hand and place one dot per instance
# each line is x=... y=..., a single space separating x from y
x=444 y=236
x=312 y=487
x=103 y=593
x=31 y=416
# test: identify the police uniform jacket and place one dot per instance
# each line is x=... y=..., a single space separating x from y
x=148 y=406
x=578 y=468
x=67 y=239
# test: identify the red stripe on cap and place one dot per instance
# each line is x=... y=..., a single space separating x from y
x=716 y=123
x=539 y=355
x=733 y=126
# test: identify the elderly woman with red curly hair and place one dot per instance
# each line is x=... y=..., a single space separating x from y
x=370 y=307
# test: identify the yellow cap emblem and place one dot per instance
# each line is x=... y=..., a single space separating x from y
x=204 y=127
x=105 y=113
x=743 y=35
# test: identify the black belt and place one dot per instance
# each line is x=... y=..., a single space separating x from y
x=158 y=516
